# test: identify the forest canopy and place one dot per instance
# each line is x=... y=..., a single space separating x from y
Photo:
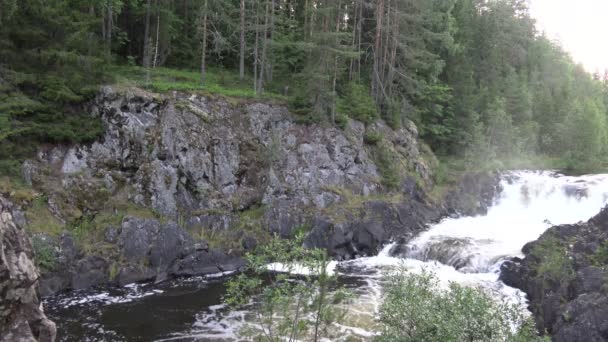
x=477 y=78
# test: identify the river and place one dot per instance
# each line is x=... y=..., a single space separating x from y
x=467 y=250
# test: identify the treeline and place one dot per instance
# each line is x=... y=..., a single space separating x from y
x=475 y=75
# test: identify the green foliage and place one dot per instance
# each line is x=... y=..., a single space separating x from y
x=475 y=76
x=387 y=166
x=288 y=307
x=372 y=137
x=44 y=254
x=417 y=308
x=600 y=257
x=554 y=263
x=358 y=103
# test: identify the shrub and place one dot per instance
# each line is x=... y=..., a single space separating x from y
x=387 y=166
x=416 y=308
x=554 y=264
x=358 y=103
x=372 y=137
x=288 y=307
x=44 y=254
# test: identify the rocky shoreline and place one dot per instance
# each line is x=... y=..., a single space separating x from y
x=565 y=276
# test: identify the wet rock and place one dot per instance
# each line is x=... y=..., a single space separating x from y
x=583 y=319
x=134 y=274
x=249 y=243
x=89 y=272
x=21 y=316
x=475 y=193
x=198 y=263
x=569 y=301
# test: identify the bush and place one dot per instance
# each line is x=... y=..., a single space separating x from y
x=554 y=264
x=44 y=254
x=301 y=307
x=416 y=308
x=387 y=166
x=372 y=137
x=358 y=103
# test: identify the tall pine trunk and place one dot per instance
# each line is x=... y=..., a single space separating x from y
x=109 y=27
x=255 y=47
x=351 y=66
x=263 y=65
x=377 y=50
x=204 y=44
x=270 y=52
x=146 y=51
x=157 y=35
x=242 y=43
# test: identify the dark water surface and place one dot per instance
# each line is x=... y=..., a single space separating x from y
x=136 y=313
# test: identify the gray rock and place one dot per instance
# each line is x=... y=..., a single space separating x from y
x=21 y=317
x=89 y=272
x=111 y=234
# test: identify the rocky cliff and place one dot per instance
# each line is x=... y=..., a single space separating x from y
x=21 y=316
x=183 y=184
x=565 y=276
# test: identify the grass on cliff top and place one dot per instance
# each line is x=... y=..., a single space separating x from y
x=218 y=82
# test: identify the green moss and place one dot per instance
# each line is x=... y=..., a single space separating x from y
x=114 y=269
x=40 y=219
x=248 y=222
x=554 y=263
x=353 y=203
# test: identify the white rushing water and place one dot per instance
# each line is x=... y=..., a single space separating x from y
x=470 y=250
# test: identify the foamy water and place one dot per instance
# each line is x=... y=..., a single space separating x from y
x=466 y=250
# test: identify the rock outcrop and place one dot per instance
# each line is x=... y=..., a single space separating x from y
x=142 y=250
x=174 y=174
x=565 y=275
x=21 y=316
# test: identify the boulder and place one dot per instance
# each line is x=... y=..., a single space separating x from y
x=21 y=316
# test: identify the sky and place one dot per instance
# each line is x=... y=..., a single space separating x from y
x=580 y=25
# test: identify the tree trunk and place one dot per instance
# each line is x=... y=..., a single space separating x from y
x=255 y=47
x=157 y=35
x=377 y=50
x=334 y=95
x=387 y=34
x=351 y=66
x=204 y=44
x=305 y=18
x=264 y=46
x=146 y=52
x=359 y=26
x=110 y=27
x=242 y=47
x=145 y=55
x=270 y=53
